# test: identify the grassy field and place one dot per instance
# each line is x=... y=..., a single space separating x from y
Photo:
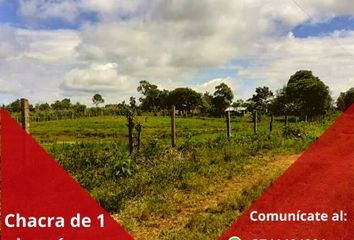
x=113 y=128
x=194 y=191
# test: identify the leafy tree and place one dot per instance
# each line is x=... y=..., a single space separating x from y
x=345 y=99
x=43 y=107
x=97 y=99
x=15 y=106
x=66 y=103
x=132 y=102
x=163 y=99
x=307 y=94
x=222 y=98
x=279 y=104
x=56 y=105
x=61 y=105
x=261 y=100
x=185 y=99
x=79 y=108
x=151 y=99
x=239 y=103
x=300 y=75
x=349 y=98
x=206 y=106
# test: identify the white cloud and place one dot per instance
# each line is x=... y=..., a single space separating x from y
x=330 y=58
x=172 y=41
x=97 y=77
x=8 y=86
x=169 y=43
x=55 y=46
x=184 y=9
x=321 y=10
x=10 y=44
x=51 y=46
x=211 y=84
x=33 y=62
x=110 y=6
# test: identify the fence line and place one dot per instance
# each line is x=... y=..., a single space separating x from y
x=25 y=117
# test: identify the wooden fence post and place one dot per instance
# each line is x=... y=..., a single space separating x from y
x=286 y=120
x=25 y=120
x=138 y=129
x=228 y=124
x=130 y=133
x=255 y=121
x=173 y=126
x=271 y=123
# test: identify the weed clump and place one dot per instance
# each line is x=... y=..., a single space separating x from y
x=94 y=163
x=293 y=132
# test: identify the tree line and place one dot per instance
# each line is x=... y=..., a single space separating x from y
x=304 y=95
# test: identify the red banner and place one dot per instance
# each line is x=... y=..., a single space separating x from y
x=40 y=201
x=313 y=199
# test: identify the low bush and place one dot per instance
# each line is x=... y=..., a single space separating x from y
x=292 y=131
x=93 y=163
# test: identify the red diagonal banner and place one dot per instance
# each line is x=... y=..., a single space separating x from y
x=319 y=183
x=37 y=193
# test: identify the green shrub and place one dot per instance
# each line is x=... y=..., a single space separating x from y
x=189 y=143
x=93 y=163
x=152 y=149
x=293 y=132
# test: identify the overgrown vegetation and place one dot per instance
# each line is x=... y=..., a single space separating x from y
x=345 y=99
x=165 y=193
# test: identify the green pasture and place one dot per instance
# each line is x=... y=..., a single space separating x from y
x=194 y=191
x=113 y=128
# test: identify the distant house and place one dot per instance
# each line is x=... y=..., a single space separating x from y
x=241 y=110
x=238 y=110
x=230 y=109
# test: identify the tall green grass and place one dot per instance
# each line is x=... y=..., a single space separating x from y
x=159 y=183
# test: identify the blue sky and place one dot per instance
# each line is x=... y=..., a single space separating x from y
x=9 y=14
x=340 y=23
x=8 y=11
x=74 y=48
